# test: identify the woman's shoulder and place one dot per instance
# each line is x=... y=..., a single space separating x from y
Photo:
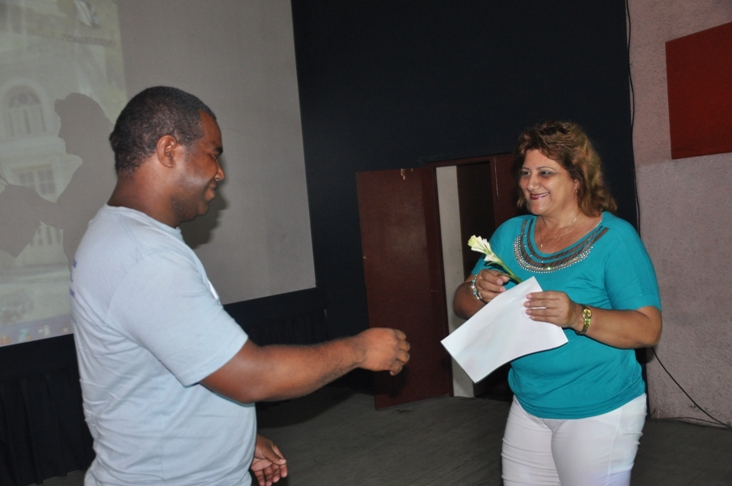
x=513 y=226
x=620 y=234
x=618 y=226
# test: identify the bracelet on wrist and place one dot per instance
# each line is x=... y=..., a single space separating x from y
x=474 y=289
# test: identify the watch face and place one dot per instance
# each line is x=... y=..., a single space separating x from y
x=586 y=313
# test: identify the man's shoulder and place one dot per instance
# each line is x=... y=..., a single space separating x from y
x=119 y=226
x=118 y=239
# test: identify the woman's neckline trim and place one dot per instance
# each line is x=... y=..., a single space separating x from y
x=531 y=259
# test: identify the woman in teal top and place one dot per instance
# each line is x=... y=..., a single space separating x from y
x=579 y=409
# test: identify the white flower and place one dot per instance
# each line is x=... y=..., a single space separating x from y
x=481 y=245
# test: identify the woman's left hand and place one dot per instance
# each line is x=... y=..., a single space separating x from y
x=625 y=329
x=554 y=307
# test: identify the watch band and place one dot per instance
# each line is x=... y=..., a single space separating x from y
x=587 y=317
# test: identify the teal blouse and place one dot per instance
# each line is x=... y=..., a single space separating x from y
x=610 y=269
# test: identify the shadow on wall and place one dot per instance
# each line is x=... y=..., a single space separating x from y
x=41 y=229
x=84 y=129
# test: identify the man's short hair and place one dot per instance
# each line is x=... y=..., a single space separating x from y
x=150 y=115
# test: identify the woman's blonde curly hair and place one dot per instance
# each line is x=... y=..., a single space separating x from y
x=568 y=145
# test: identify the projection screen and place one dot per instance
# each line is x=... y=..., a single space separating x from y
x=68 y=68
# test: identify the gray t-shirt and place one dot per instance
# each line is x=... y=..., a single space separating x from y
x=148 y=327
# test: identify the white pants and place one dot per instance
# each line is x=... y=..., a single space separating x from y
x=595 y=451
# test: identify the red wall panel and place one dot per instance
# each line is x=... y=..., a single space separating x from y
x=699 y=69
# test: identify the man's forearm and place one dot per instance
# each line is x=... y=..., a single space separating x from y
x=278 y=372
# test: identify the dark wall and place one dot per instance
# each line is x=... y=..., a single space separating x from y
x=391 y=84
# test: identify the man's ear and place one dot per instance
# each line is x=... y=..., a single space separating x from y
x=169 y=150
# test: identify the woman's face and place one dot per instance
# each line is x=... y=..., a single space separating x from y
x=547 y=186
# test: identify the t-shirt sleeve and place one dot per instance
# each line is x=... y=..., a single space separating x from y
x=166 y=305
x=630 y=279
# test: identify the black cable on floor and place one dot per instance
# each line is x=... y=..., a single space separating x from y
x=715 y=420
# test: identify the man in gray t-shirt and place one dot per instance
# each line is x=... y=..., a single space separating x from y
x=169 y=379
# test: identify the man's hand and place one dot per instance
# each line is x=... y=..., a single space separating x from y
x=269 y=465
x=278 y=372
x=385 y=349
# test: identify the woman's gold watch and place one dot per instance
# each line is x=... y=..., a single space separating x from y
x=587 y=317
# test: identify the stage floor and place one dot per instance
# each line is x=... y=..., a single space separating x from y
x=335 y=436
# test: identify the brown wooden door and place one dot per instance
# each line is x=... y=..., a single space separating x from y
x=405 y=289
x=486 y=198
x=487 y=194
x=503 y=188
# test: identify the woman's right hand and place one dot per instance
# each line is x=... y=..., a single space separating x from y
x=488 y=284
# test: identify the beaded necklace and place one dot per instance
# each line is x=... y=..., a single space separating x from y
x=529 y=258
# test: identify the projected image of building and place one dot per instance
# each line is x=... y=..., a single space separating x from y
x=50 y=49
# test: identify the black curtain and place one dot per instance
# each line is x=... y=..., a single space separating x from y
x=42 y=429
x=292 y=318
x=388 y=85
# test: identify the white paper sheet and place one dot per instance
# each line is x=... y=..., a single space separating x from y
x=500 y=332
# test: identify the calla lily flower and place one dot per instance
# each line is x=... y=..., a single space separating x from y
x=481 y=245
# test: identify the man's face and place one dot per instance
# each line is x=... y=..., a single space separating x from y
x=201 y=173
